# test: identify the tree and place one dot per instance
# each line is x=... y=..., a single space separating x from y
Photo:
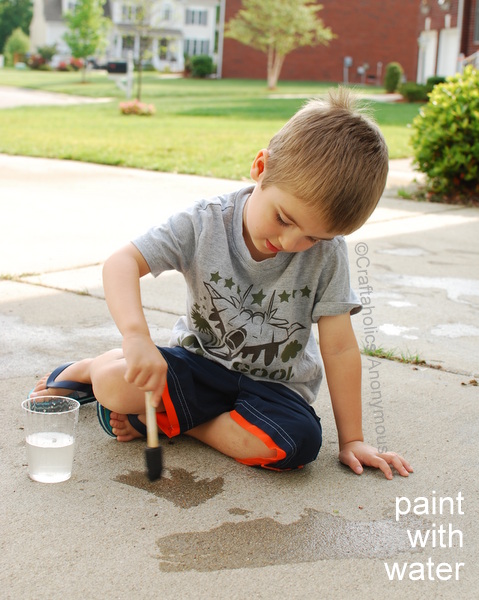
x=13 y=14
x=144 y=17
x=17 y=45
x=88 y=30
x=277 y=27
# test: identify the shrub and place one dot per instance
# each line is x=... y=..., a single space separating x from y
x=135 y=107
x=76 y=64
x=38 y=63
x=414 y=92
x=188 y=66
x=393 y=77
x=434 y=80
x=445 y=139
x=64 y=66
x=202 y=65
x=47 y=52
x=16 y=46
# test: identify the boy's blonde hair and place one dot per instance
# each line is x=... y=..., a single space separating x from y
x=334 y=158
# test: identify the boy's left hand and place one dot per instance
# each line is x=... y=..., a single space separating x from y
x=357 y=454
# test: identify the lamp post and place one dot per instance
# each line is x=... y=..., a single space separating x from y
x=426 y=5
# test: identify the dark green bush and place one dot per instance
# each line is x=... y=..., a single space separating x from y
x=434 y=80
x=414 y=92
x=393 y=77
x=202 y=65
x=445 y=139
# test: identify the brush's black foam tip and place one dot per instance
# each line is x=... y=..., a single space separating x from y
x=154 y=463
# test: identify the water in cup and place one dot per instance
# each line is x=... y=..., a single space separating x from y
x=50 y=456
x=50 y=423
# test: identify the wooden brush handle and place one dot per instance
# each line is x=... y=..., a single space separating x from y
x=151 y=424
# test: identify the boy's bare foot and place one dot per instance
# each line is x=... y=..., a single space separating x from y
x=123 y=429
x=77 y=371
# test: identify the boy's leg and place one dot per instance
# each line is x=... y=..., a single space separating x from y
x=106 y=374
x=225 y=435
x=257 y=423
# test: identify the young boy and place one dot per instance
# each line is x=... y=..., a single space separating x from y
x=261 y=266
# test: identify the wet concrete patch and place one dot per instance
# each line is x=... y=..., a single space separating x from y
x=456 y=289
x=181 y=488
x=455 y=330
x=266 y=542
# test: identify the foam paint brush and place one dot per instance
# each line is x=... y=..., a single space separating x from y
x=153 y=452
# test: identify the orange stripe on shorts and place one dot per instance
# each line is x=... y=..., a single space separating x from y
x=168 y=421
x=264 y=437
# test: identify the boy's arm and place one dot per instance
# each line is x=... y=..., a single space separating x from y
x=342 y=363
x=146 y=368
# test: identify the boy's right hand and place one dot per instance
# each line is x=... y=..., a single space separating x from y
x=145 y=366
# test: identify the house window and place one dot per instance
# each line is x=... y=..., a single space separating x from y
x=196 y=17
x=476 y=24
x=167 y=12
x=128 y=13
x=196 y=47
x=163 y=49
x=128 y=42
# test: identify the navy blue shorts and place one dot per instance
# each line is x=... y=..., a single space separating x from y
x=198 y=390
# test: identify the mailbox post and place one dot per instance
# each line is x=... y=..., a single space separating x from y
x=121 y=71
x=347 y=62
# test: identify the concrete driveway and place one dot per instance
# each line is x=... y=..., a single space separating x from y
x=212 y=528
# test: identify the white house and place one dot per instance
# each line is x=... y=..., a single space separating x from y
x=174 y=28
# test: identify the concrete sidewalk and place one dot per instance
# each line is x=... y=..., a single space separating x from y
x=213 y=528
x=12 y=97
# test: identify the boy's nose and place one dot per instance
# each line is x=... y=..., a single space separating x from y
x=289 y=241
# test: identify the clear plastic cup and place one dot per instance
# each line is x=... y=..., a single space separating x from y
x=50 y=425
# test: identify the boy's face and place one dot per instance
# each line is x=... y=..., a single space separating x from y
x=276 y=221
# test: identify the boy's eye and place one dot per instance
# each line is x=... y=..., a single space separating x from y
x=280 y=220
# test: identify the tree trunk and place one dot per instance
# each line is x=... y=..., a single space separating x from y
x=271 y=85
x=275 y=63
x=140 y=73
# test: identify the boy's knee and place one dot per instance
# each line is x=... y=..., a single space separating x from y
x=308 y=439
x=296 y=447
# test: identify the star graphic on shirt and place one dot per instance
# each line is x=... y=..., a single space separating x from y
x=215 y=276
x=284 y=297
x=258 y=298
x=229 y=283
x=305 y=292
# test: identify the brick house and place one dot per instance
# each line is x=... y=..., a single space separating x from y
x=425 y=36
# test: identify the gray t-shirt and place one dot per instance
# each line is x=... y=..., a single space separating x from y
x=253 y=317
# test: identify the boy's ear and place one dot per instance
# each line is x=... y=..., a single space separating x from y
x=259 y=164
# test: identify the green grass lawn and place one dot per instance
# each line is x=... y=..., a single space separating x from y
x=203 y=127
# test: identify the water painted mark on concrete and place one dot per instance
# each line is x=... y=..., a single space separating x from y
x=181 y=488
x=265 y=542
x=400 y=303
x=398 y=330
x=455 y=330
x=393 y=295
x=242 y=512
x=456 y=289
x=404 y=251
